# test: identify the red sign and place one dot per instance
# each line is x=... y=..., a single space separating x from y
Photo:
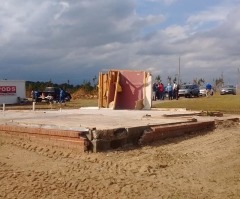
x=8 y=90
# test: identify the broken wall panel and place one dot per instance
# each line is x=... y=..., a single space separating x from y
x=102 y=93
x=125 y=90
x=132 y=89
x=112 y=79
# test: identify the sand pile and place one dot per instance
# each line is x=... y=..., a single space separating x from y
x=83 y=94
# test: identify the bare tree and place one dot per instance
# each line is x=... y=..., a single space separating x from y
x=169 y=79
x=158 y=78
x=175 y=79
x=199 y=82
x=195 y=81
x=218 y=82
x=94 y=80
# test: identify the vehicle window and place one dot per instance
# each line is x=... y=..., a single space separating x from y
x=229 y=86
x=183 y=87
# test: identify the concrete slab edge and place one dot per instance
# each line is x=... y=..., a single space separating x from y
x=111 y=139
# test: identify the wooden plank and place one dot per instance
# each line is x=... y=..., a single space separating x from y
x=116 y=90
x=100 y=87
x=105 y=90
x=108 y=87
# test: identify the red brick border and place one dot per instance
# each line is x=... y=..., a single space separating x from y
x=169 y=131
x=65 y=138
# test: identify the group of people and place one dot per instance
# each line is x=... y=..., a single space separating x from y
x=35 y=95
x=60 y=97
x=159 y=91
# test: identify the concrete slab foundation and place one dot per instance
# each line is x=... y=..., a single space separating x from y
x=97 y=130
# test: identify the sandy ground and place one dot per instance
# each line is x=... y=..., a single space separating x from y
x=195 y=166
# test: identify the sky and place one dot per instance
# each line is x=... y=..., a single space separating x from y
x=74 y=40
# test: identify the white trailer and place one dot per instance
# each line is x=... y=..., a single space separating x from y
x=12 y=91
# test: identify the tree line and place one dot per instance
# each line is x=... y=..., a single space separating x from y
x=40 y=86
x=216 y=83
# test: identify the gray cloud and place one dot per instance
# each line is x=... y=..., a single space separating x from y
x=74 y=40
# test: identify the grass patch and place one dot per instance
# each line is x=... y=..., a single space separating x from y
x=224 y=103
x=73 y=104
x=82 y=103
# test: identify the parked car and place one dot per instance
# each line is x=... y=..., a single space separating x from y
x=203 y=91
x=228 y=89
x=53 y=94
x=189 y=90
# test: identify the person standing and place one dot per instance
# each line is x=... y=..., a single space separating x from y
x=36 y=96
x=208 y=89
x=169 y=90
x=161 y=91
x=154 y=88
x=175 y=90
x=62 y=96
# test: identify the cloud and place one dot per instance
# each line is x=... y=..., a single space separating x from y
x=167 y=2
x=74 y=40
x=64 y=8
x=208 y=18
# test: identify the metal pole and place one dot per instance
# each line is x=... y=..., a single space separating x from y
x=238 y=78
x=179 y=70
x=238 y=81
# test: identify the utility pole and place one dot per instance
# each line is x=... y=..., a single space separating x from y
x=222 y=79
x=179 y=70
x=238 y=77
x=238 y=80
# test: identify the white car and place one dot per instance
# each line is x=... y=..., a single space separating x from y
x=203 y=91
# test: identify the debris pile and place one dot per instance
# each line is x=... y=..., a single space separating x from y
x=83 y=94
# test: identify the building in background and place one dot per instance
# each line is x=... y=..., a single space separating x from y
x=12 y=91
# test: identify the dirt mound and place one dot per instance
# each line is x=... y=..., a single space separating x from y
x=83 y=94
x=227 y=123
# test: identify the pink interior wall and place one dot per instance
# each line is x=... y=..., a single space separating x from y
x=132 y=83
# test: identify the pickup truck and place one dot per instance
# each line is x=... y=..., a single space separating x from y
x=52 y=94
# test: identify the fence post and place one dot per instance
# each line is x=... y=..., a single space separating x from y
x=33 y=108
